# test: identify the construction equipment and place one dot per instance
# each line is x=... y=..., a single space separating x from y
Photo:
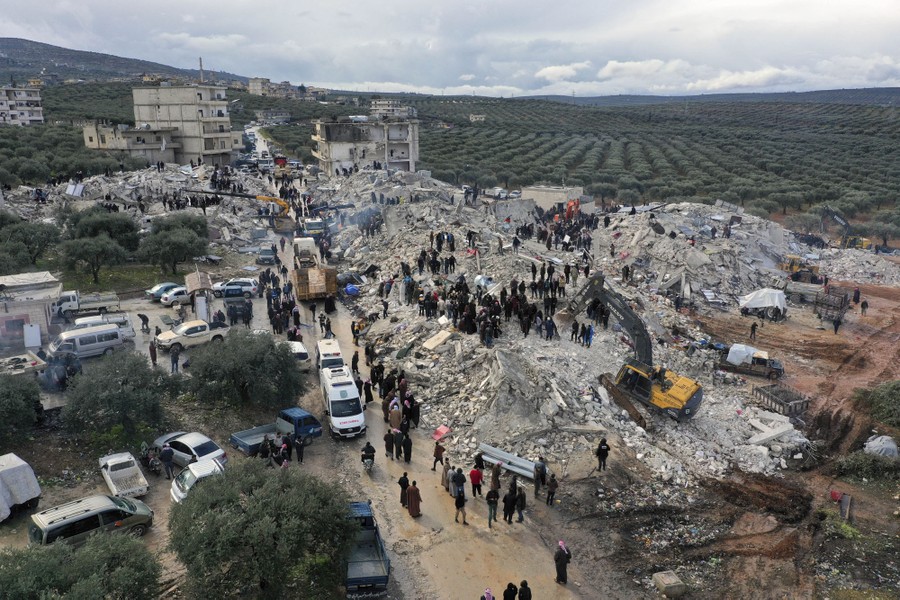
x=282 y=169
x=848 y=239
x=657 y=387
x=793 y=263
x=283 y=223
x=311 y=279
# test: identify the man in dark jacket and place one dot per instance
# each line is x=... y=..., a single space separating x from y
x=493 y=499
x=509 y=506
x=167 y=456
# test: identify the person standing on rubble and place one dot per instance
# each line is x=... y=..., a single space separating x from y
x=753 y=331
x=602 y=453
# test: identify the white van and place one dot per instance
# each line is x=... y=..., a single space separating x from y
x=122 y=320
x=342 y=404
x=328 y=355
x=193 y=473
x=90 y=341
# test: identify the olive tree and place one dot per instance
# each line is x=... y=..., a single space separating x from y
x=19 y=400
x=169 y=247
x=245 y=368
x=37 y=237
x=93 y=253
x=107 y=566
x=255 y=531
x=119 y=400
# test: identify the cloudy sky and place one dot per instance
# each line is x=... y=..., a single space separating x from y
x=496 y=47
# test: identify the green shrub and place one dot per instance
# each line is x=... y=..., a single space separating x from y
x=883 y=401
x=861 y=465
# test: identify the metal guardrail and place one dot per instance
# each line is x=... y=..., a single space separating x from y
x=511 y=462
x=781 y=399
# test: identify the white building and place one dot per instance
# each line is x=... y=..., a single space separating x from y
x=197 y=113
x=547 y=197
x=26 y=299
x=388 y=138
x=20 y=106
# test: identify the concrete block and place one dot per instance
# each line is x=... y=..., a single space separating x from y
x=437 y=339
x=668 y=583
x=768 y=436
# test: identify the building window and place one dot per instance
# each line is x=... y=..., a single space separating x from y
x=199 y=96
x=91 y=139
x=200 y=112
x=102 y=139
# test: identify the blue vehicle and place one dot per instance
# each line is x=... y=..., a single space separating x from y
x=368 y=566
x=155 y=293
x=289 y=421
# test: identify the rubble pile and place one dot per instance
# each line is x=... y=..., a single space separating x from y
x=859 y=266
x=532 y=396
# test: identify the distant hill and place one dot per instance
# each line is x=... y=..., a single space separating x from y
x=22 y=59
x=865 y=96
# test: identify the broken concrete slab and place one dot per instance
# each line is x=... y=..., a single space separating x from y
x=771 y=434
x=437 y=339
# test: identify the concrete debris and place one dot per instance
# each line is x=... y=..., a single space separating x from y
x=530 y=396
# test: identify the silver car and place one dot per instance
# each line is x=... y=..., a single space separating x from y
x=190 y=447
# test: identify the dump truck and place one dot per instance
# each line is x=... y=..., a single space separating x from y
x=123 y=475
x=311 y=279
x=656 y=387
x=740 y=358
x=368 y=566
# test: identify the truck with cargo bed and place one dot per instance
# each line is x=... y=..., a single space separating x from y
x=123 y=475
x=311 y=279
x=72 y=302
x=289 y=421
x=368 y=566
x=740 y=358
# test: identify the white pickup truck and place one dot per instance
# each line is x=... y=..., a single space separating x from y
x=123 y=475
x=191 y=333
x=72 y=302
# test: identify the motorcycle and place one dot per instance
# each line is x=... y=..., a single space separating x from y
x=368 y=463
x=150 y=459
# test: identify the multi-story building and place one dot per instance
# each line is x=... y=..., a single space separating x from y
x=274 y=116
x=199 y=115
x=20 y=106
x=155 y=145
x=258 y=86
x=359 y=142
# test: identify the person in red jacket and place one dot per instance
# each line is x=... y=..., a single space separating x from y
x=476 y=477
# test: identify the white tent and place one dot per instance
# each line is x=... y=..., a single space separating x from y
x=764 y=298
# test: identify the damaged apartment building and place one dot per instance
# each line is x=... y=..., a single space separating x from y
x=388 y=136
x=177 y=124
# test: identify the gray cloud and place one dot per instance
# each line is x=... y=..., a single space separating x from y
x=501 y=47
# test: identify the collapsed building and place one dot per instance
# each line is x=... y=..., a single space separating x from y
x=529 y=395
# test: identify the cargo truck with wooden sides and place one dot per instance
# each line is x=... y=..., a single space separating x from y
x=311 y=279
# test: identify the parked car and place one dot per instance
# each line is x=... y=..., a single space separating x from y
x=265 y=256
x=250 y=286
x=185 y=481
x=123 y=475
x=75 y=521
x=121 y=319
x=190 y=447
x=155 y=293
x=191 y=333
x=174 y=296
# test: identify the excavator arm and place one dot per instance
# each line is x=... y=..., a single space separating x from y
x=285 y=207
x=630 y=322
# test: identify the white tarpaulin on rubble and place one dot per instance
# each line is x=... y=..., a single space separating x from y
x=881 y=445
x=739 y=354
x=764 y=298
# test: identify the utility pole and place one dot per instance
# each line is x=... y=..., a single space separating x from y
x=201 y=69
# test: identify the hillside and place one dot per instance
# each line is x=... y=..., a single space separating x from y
x=21 y=59
x=865 y=96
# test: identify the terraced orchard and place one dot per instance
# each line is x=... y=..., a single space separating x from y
x=774 y=156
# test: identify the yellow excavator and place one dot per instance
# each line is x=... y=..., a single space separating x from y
x=284 y=223
x=656 y=387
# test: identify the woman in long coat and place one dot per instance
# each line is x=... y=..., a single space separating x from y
x=561 y=559
x=413 y=500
